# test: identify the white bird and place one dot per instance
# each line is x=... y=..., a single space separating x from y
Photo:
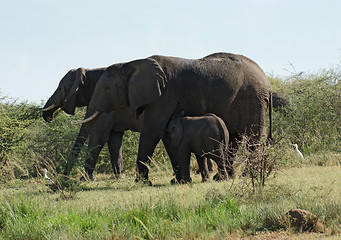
x=47 y=177
x=298 y=151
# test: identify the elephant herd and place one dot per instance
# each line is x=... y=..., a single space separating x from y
x=202 y=106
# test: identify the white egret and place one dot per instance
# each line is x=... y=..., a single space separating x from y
x=298 y=151
x=47 y=177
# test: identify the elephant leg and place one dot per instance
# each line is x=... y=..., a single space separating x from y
x=147 y=144
x=171 y=151
x=115 y=150
x=184 y=160
x=251 y=164
x=96 y=143
x=209 y=164
x=222 y=172
x=79 y=143
x=154 y=125
x=253 y=123
x=91 y=161
x=203 y=168
x=230 y=156
x=221 y=158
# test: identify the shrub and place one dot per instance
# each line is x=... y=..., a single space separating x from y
x=14 y=119
x=313 y=117
x=28 y=143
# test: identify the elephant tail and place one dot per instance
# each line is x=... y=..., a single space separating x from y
x=270 y=139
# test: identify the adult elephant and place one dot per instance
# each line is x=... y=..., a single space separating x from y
x=75 y=90
x=231 y=86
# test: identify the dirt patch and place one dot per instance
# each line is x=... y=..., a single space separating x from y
x=303 y=220
x=287 y=235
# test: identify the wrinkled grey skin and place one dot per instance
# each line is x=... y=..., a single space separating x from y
x=231 y=86
x=205 y=136
x=75 y=90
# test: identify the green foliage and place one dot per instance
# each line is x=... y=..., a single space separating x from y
x=313 y=118
x=14 y=119
x=28 y=143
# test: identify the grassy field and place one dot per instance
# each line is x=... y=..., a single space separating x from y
x=121 y=209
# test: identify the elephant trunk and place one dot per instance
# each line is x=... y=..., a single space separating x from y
x=48 y=112
x=52 y=104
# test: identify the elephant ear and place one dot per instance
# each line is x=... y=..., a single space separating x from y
x=78 y=82
x=70 y=101
x=146 y=82
x=175 y=129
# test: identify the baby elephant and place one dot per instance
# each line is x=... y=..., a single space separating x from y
x=207 y=137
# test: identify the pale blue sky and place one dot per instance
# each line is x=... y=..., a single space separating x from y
x=42 y=39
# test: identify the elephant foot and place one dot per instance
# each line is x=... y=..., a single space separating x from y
x=206 y=180
x=143 y=181
x=173 y=181
x=219 y=177
x=180 y=181
x=118 y=173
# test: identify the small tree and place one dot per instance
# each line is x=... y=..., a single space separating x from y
x=258 y=165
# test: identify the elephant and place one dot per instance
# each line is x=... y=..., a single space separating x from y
x=75 y=90
x=228 y=85
x=279 y=101
x=207 y=137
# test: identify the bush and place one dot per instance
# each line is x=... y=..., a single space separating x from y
x=313 y=117
x=28 y=143
x=14 y=119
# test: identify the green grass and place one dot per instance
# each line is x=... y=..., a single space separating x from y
x=125 y=210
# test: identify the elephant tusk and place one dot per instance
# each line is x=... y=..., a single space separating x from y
x=92 y=117
x=49 y=108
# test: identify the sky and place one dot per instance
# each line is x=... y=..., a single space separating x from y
x=41 y=40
